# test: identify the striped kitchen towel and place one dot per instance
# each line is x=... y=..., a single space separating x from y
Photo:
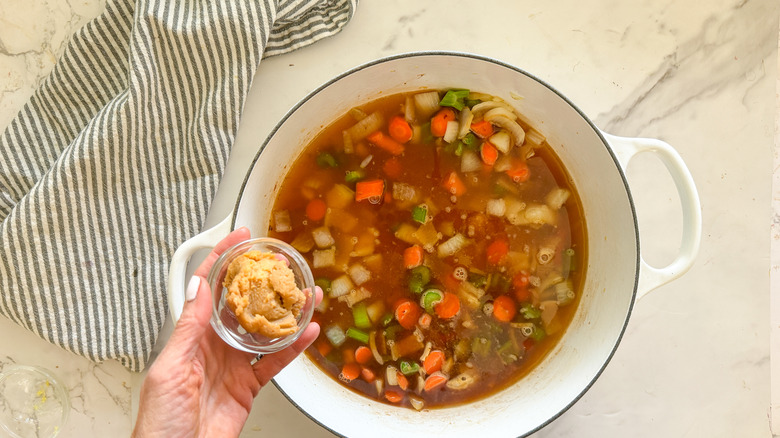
x=115 y=159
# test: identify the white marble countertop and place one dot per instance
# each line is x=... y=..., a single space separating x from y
x=702 y=76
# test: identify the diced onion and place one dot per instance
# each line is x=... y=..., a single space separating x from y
x=517 y=132
x=324 y=258
x=359 y=274
x=335 y=335
x=341 y=286
x=557 y=197
x=363 y=128
x=470 y=162
x=426 y=104
x=391 y=375
x=372 y=346
x=466 y=117
x=409 y=109
x=463 y=380
x=405 y=192
x=496 y=207
x=452 y=245
x=282 y=221
x=322 y=237
x=534 y=137
x=504 y=163
x=416 y=402
x=502 y=141
x=365 y=161
x=484 y=107
x=549 y=310
x=451 y=134
x=349 y=147
x=564 y=293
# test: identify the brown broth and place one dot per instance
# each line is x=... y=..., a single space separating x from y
x=506 y=354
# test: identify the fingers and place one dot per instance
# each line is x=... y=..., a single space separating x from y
x=317 y=296
x=231 y=239
x=271 y=364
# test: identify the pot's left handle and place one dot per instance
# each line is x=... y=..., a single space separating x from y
x=178 y=268
x=651 y=277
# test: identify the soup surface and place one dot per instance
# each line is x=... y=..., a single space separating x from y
x=448 y=241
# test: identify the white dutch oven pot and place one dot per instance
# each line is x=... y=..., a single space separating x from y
x=616 y=274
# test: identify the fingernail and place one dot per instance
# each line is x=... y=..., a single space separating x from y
x=192 y=288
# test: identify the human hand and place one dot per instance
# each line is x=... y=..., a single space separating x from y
x=199 y=385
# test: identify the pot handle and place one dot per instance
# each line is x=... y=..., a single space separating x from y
x=651 y=277
x=181 y=258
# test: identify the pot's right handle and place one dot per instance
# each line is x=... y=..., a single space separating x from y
x=181 y=258
x=651 y=277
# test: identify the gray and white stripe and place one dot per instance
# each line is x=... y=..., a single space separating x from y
x=115 y=159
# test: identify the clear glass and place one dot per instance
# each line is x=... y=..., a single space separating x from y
x=33 y=403
x=224 y=320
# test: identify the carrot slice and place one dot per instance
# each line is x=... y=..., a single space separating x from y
x=454 y=184
x=413 y=256
x=519 y=171
x=371 y=190
x=483 y=129
x=407 y=314
x=403 y=382
x=316 y=209
x=368 y=375
x=496 y=251
x=433 y=361
x=363 y=355
x=399 y=129
x=448 y=306
x=434 y=381
x=439 y=121
x=393 y=396
x=380 y=140
x=504 y=308
x=489 y=153
x=520 y=282
x=392 y=168
x=350 y=372
x=324 y=348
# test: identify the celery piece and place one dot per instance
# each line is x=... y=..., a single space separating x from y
x=353 y=176
x=425 y=133
x=358 y=335
x=408 y=367
x=471 y=102
x=419 y=277
x=471 y=141
x=430 y=298
x=420 y=213
x=360 y=315
x=480 y=346
x=326 y=159
x=324 y=284
x=455 y=99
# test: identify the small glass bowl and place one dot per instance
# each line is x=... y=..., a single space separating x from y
x=224 y=320
x=33 y=403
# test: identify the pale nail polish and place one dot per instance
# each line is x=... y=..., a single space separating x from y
x=192 y=288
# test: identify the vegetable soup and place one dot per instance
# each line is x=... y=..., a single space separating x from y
x=448 y=240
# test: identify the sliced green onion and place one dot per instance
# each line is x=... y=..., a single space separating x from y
x=430 y=298
x=420 y=213
x=353 y=176
x=335 y=335
x=360 y=314
x=324 y=284
x=325 y=159
x=390 y=332
x=358 y=335
x=478 y=280
x=419 y=277
x=567 y=262
x=455 y=99
x=459 y=149
x=408 y=367
x=529 y=311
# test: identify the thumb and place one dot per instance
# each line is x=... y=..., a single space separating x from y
x=195 y=315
